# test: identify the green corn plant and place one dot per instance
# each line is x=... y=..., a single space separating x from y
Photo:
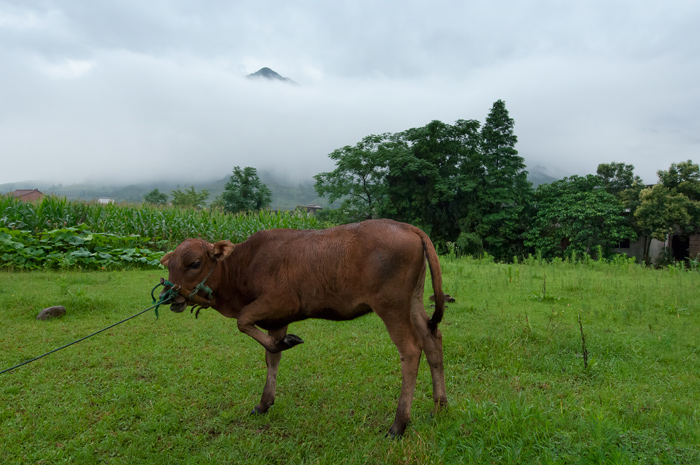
x=151 y=227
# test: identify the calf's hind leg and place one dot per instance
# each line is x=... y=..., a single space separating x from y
x=272 y=360
x=432 y=346
x=404 y=336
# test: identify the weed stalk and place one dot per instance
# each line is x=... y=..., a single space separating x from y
x=583 y=345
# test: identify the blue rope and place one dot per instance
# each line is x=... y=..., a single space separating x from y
x=165 y=298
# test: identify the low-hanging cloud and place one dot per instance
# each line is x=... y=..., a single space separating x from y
x=129 y=93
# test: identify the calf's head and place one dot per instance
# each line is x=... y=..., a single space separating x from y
x=193 y=262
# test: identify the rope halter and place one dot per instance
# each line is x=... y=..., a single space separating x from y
x=172 y=290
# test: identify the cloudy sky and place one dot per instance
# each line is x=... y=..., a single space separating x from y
x=135 y=90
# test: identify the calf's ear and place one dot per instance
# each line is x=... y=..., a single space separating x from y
x=221 y=250
x=166 y=258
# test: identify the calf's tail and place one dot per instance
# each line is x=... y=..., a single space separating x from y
x=436 y=277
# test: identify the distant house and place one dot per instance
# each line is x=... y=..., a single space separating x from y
x=684 y=247
x=105 y=201
x=636 y=249
x=694 y=246
x=27 y=195
x=310 y=209
x=680 y=247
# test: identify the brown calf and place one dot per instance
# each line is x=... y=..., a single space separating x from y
x=280 y=276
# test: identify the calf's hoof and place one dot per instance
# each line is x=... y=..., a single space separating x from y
x=396 y=432
x=441 y=403
x=289 y=341
x=258 y=411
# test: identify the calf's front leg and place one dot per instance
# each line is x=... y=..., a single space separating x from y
x=259 y=312
x=272 y=360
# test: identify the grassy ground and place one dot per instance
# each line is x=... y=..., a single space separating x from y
x=179 y=390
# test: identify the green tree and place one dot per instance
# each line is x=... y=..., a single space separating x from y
x=662 y=212
x=682 y=178
x=428 y=176
x=576 y=215
x=616 y=178
x=156 y=197
x=359 y=179
x=619 y=179
x=505 y=192
x=670 y=207
x=245 y=191
x=190 y=198
x=456 y=181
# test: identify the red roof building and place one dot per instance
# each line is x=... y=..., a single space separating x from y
x=27 y=195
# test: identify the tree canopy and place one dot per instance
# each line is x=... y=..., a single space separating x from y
x=616 y=178
x=190 y=198
x=576 y=215
x=156 y=197
x=458 y=182
x=359 y=179
x=466 y=184
x=682 y=178
x=245 y=192
x=505 y=193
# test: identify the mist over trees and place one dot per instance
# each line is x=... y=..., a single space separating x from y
x=244 y=191
x=466 y=185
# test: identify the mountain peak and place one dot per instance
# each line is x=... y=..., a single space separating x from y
x=267 y=73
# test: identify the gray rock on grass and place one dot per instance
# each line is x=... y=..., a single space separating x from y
x=51 y=312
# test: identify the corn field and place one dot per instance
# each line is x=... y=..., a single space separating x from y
x=159 y=228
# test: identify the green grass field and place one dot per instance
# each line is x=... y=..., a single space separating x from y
x=179 y=390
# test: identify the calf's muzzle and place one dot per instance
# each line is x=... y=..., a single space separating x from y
x=181 y=296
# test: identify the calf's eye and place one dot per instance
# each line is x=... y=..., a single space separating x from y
x=195 y=265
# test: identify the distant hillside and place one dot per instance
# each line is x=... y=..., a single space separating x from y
x=267 y=73
x=285 y=195
x=537 y=176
